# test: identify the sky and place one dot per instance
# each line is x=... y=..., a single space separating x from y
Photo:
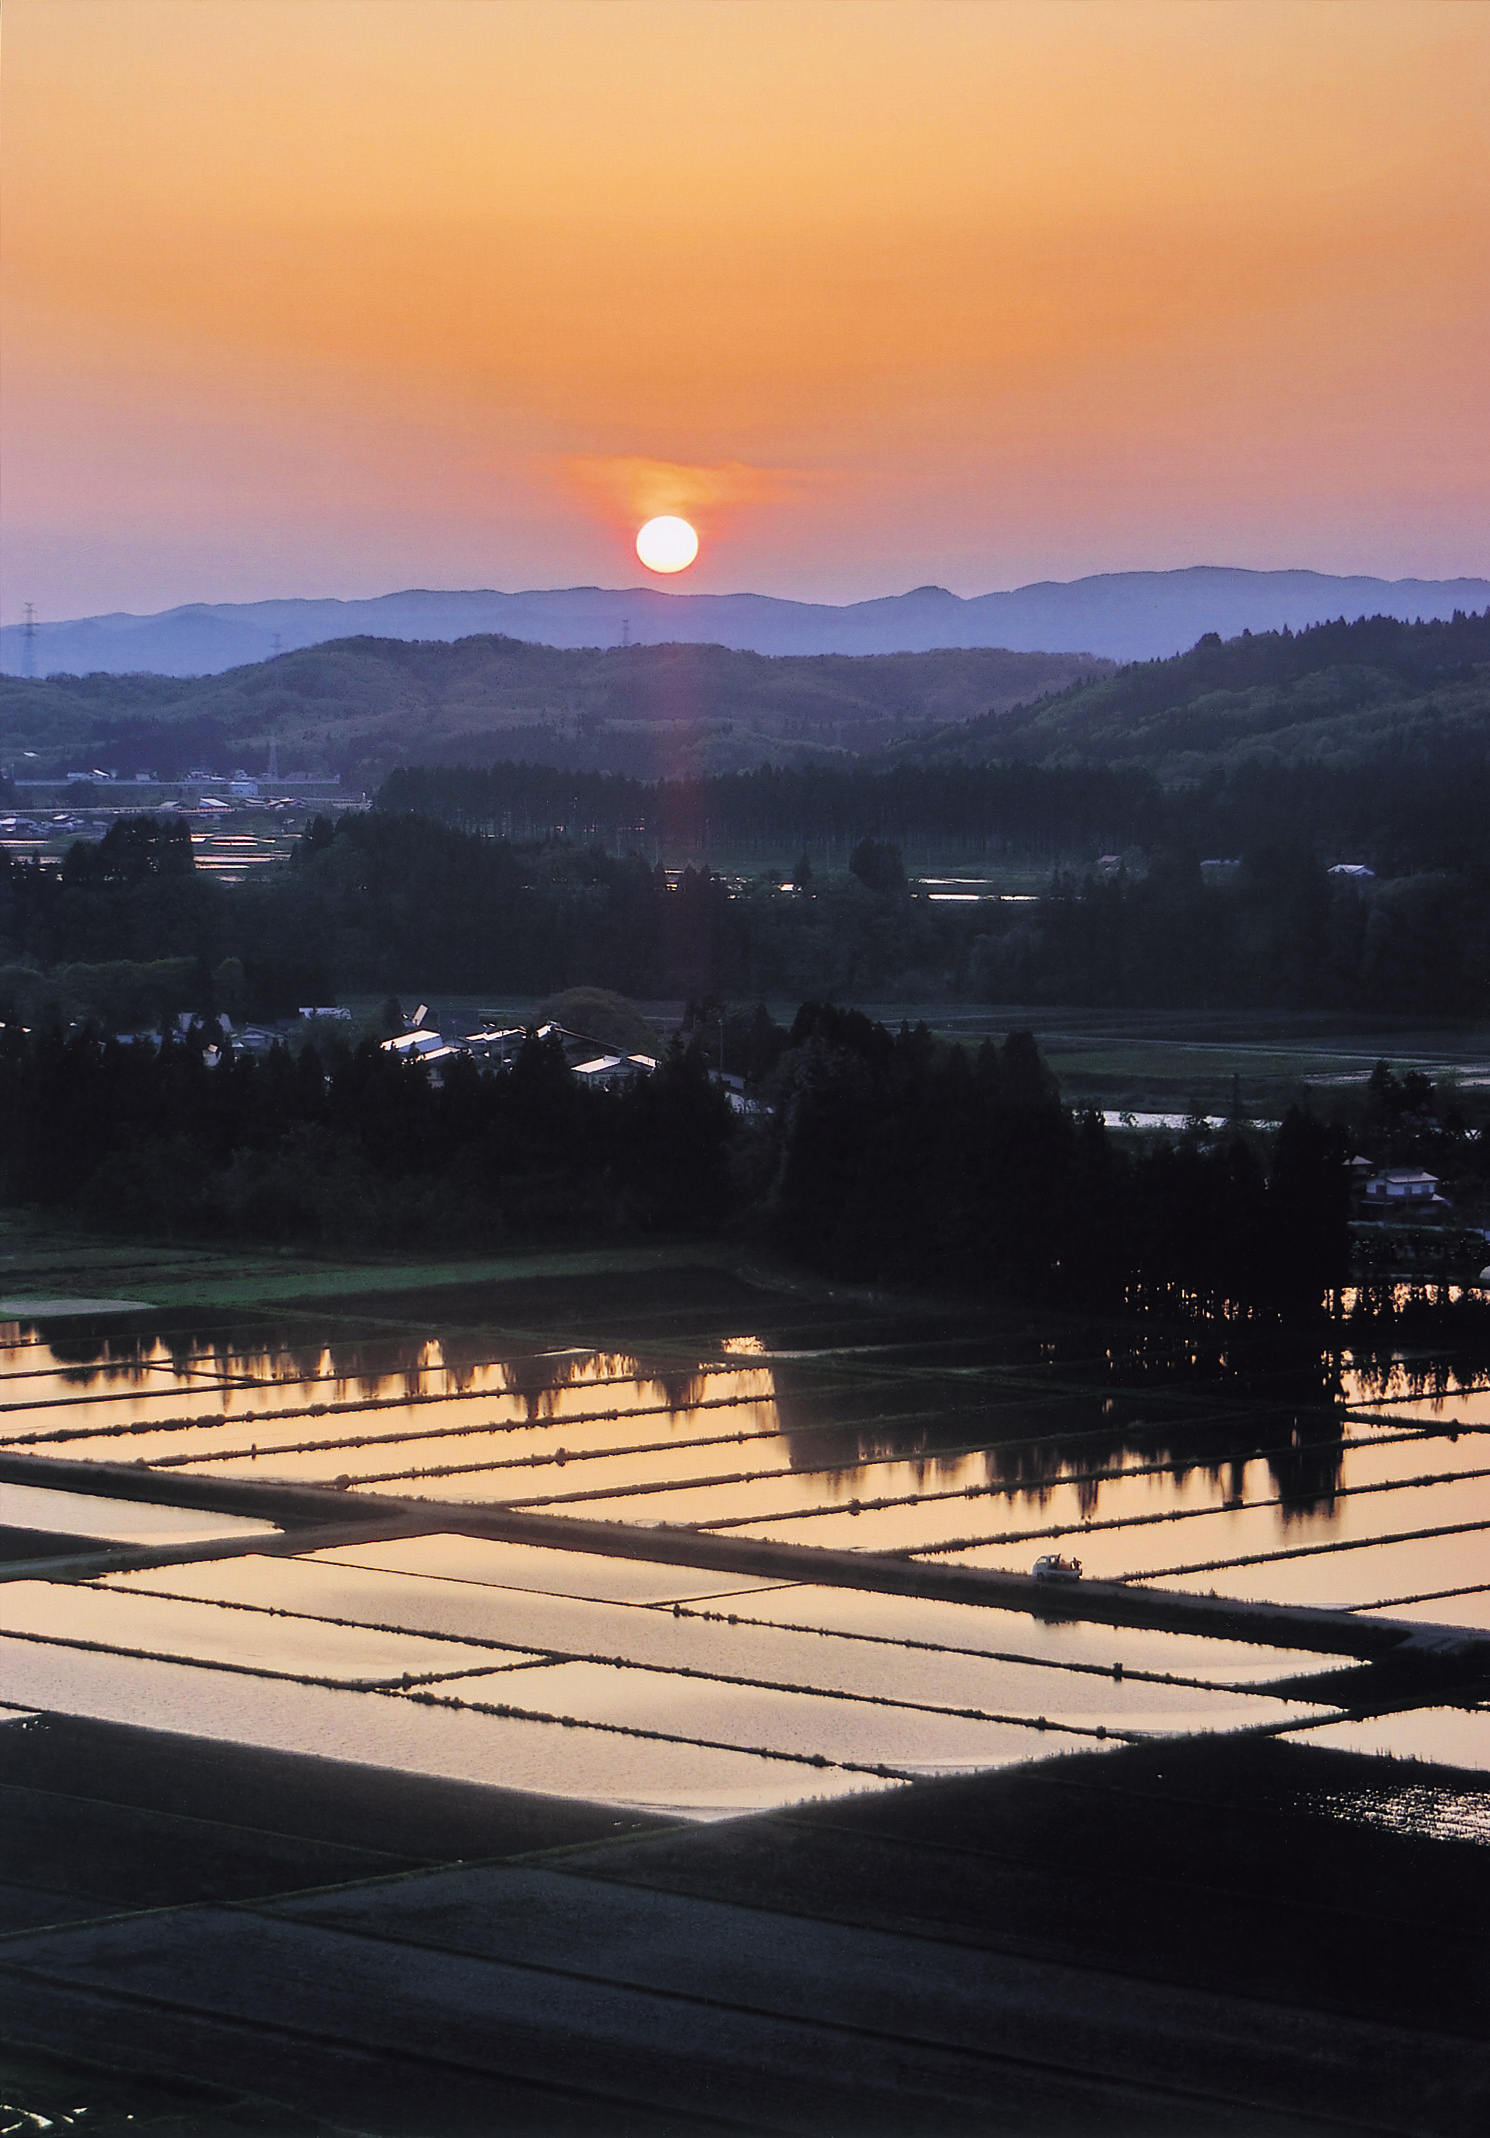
x=334 y=297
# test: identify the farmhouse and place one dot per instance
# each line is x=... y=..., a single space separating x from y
x=1403 y=1184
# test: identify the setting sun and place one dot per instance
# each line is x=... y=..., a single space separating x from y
x=667 y=544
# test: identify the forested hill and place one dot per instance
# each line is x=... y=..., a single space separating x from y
x=1342 y=694
x=1336 y=696
x=360 y=706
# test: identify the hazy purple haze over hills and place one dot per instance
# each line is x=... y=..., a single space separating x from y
x=1125 y=615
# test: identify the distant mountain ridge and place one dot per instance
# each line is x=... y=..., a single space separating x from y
x=1122 y=616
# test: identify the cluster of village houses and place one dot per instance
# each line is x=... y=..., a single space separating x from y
x=496 y=1045
x=492 y=1045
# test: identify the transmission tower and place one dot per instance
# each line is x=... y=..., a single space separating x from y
x=28 y=642
x=625 y=631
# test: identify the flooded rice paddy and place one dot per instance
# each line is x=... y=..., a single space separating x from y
x=1231 y=1464
x=112 y=1521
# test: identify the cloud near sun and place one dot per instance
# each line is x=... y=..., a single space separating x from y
x=630 y=489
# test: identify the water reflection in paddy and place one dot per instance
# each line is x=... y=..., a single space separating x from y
x=1151 y=1525
x=1358 y=1579
x=84 y=1514
x=665 y=1671
x=1455 y=1411
x=1160 y=1451
x=805 y=1724
x=1453 y=1736
x=1165 y=1451
x=389 y=1730
x=54 y=1405
x=134 y=1617
x=916 y=1653
x=501 y=1430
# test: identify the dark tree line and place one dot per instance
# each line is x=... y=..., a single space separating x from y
x=130 y=930
x=1408 y=808
x=1277 y=932
x=981 y=807
x=352 y=1145
x=882 y=1157
x=892 y=1157
x=384 y=902
x=136 y=893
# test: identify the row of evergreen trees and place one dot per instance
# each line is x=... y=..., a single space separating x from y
x=880 y=1157
x=1408 y=806
x=1275 y=931
x=383 y=902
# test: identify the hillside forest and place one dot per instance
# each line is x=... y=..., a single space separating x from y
x=358 y=707
x=1143 y=888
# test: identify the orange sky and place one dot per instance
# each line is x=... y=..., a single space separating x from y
x=338 y=296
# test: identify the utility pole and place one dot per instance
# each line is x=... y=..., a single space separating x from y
x=28 y=643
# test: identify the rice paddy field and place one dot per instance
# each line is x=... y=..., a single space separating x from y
x=664 y=1394
x=1173 y=1062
